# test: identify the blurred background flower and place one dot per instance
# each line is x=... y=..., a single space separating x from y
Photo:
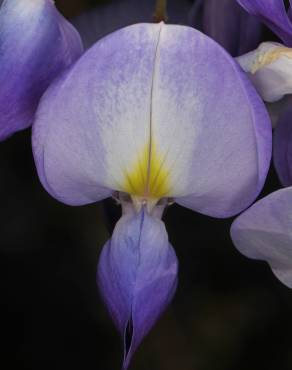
x=31 y=58
x=269 y=69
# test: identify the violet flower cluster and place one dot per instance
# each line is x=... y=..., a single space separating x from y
x=264 y=231
x=153 y=114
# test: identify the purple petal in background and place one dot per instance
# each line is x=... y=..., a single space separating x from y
x=228 y=24
x=137 y=277
x=264 y=232
x=289 y=12
x=273 y=14
x=36 y=43
x=276 y=109
x=282 y=147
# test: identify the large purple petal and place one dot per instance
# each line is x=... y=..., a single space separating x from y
x=137 y=277
x=282 y=147
x=228 y=24
x=36 y=44
x=273 y=14
x=231 y=135
x=264 y=232
x=111 y=16
x=134 y=115
x=93 y=123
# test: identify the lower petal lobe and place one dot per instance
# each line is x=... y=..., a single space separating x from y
x=264 y=232
x=137 y=277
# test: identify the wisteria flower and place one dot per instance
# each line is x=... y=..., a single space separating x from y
x=269 y=66
x=264 y=231
x=151 y=113
x=270 y=69
x=37 y=44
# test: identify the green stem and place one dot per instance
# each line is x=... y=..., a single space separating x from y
x=160 y=14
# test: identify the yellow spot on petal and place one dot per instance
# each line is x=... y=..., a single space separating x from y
x=265 y=58
x=148 y=176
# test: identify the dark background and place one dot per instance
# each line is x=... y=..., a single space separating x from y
x=229 y=313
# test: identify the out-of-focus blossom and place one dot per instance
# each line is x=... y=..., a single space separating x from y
x=37 y=44
x=272 y=13
x=142 y=114
x=264 y=232
x=109 y=17
x=269 y=67
x=228 y=24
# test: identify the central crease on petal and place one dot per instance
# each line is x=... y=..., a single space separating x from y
x=148 y=180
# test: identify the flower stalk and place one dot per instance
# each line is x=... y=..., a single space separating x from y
x=160 y=14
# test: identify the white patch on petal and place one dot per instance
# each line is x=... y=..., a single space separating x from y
x=175 y=108
x=270 y=69
x=25 y=8
x=129 y=92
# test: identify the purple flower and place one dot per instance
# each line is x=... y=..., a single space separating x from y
x=264 y=232
x=269 y=67
x=152 y=112
x=228 y=24
x=36 y=43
